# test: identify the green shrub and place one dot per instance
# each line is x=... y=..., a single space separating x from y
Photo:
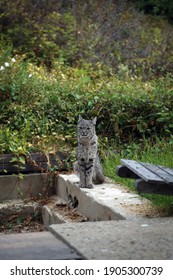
x=157 y=7
x=37 y=103
x=134 y=44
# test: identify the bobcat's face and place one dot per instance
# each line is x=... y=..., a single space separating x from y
x=86 y=128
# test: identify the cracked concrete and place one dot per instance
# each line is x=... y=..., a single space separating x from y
x=106 y=201
x=114 y=231
x=141 y=239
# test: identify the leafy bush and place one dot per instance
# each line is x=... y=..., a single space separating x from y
x=35 y=103
x=157 y=7
x=113 y=36
x=39 y=30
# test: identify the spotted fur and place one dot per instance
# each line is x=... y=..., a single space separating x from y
x=89 y=167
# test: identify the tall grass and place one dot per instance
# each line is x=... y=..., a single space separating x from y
x=159 y=153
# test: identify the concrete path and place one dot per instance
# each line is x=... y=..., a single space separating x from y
x=114 y=231
x=141 y=239
x=34 y=246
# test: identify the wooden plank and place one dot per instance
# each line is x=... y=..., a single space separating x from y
x=167 y=169
x=38 y=157
x=13 y=168
x=145 y=187
x=142 y=171
x=124 y=172
x=159 y=171
x=34 y=162
x=4 y=158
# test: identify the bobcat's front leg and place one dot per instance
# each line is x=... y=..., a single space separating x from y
x=82 y=176
x=89 y=173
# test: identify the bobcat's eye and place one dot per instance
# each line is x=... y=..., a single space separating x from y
x=88 y=128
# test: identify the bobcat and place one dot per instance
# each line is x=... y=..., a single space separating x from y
x=88 y=166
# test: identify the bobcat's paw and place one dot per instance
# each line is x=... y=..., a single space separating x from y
x=82 y=186
x=90 y=186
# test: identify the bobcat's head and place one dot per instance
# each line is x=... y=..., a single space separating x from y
x=86 y=128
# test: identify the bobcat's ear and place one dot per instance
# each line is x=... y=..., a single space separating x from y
x=80 y=118
x=94 y=120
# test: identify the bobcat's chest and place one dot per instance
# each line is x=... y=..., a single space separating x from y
x=87 y=150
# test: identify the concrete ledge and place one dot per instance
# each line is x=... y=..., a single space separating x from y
x=49 y=217
x=107 y=201
x=12 y=207
x=12 y=187
x=57 y=211
x=104 y=202
x=141 y=239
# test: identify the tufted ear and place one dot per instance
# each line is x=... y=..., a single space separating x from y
x=80 y=118
x=94 y=120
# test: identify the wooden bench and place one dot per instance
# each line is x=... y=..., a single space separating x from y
x=149 y=178
x=33 y=162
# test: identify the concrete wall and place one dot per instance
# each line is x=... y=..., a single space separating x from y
x=96 y=204
x=12 y=187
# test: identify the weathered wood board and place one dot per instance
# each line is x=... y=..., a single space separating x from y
x=34 y=162
x=149 y=172
x=124 y=172
x=150 y=178
x=144 y=187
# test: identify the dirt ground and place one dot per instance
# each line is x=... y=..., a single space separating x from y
x=15 y=221
x=19 y=224
x=146 y=209
x=67 y=212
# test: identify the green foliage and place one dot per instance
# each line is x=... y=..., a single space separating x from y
x=59 y=59
x=155 y=152
x=157 y=7
x=38 y=30
x=36 y=104
x=68 y=31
